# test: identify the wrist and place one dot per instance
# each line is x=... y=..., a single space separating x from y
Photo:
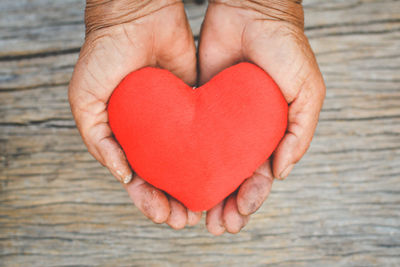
x=100 y=14
x=290 y=11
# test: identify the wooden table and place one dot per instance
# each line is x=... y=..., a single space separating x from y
x=340 y=206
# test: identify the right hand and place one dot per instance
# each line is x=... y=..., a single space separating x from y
x=270 y=34
x=123 y=36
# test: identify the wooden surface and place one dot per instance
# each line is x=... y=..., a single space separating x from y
x=340 y=206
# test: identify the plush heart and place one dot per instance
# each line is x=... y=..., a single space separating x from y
x=198 y=145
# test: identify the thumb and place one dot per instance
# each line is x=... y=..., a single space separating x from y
x=285 y=54
x=302 y=121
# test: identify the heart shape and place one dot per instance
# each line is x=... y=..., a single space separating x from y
x=198 y=145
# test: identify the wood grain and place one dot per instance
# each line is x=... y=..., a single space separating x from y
x=339 y=207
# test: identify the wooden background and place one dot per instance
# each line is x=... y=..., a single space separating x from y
x=340 y=206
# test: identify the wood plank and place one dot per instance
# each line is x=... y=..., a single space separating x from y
x=339 y=207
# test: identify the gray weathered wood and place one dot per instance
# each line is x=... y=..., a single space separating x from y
x=339 y=207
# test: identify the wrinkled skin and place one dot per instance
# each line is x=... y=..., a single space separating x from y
x=161 y=37
x=231 y=35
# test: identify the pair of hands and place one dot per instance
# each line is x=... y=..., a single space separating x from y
x=123 y=36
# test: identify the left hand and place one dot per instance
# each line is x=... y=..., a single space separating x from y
x=123 y=36
x=274 y=39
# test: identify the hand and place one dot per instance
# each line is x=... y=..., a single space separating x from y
x=268 y=33
x=123 y=36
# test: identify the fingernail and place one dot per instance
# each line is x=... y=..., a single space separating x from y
x=286 y=172
x=127 y=179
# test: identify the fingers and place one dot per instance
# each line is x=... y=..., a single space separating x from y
x=89 y=91
x=254 y=190
x=193 y=217
x=302 y=121
x=233 y=220
x=214 y=220
x=305 y=95
x=226 y=216
x=233 y=213
x=152 y=202
x=159 y=207
x=105 y=59
x=112 y=156
x=178 y=216
x=285 y=54
x=92 y=123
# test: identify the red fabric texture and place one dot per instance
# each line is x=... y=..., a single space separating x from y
x=198 y=145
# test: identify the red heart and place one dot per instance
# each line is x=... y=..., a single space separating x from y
x=198 y=145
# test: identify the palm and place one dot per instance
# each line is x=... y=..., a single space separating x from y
x=231 y=35
x=163 y=39
x=107 y=56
